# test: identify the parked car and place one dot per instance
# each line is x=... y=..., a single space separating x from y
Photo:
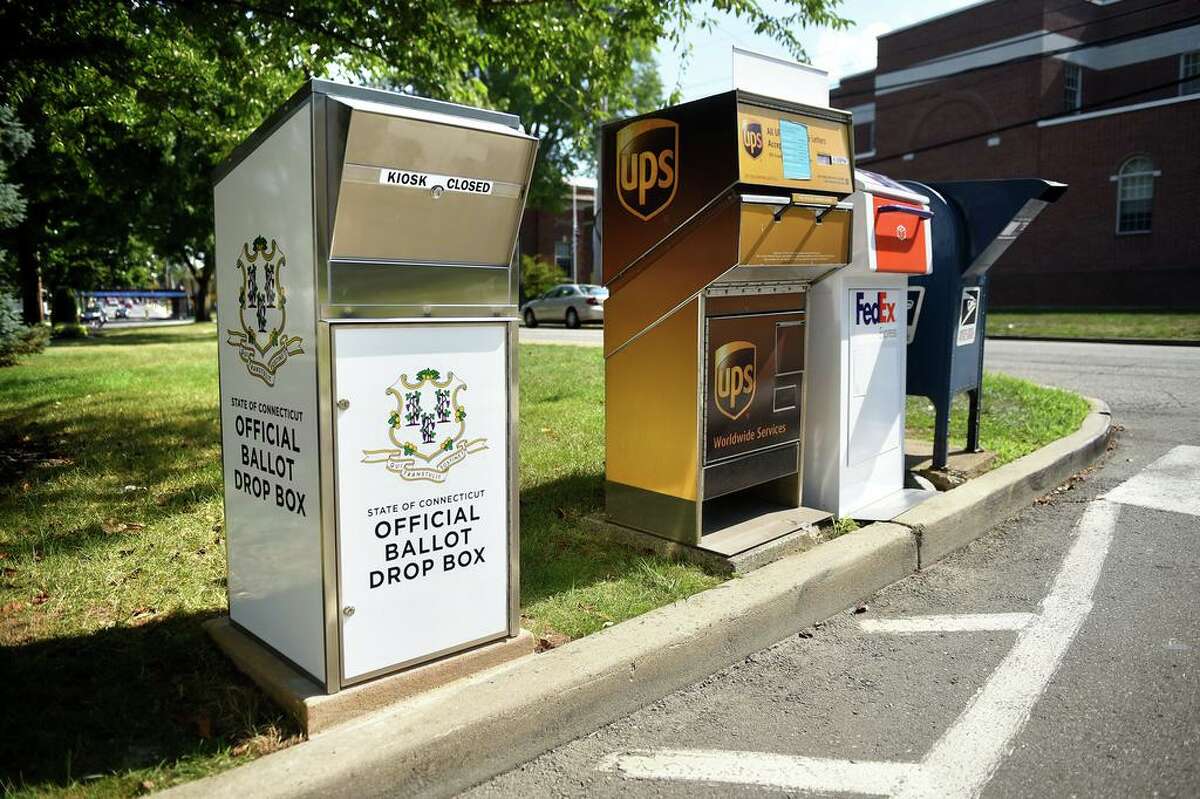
x=573 y=303
x=94 y=316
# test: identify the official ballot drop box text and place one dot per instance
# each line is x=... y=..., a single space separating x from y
x=367 y=317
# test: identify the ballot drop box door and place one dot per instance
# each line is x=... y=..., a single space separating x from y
x=422 y=513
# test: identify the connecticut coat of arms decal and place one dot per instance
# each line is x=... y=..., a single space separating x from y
x=262 y=343
x=428 y=428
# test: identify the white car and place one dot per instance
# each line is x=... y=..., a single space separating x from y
x=571 y=303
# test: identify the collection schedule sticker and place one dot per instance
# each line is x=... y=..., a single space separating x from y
x=797 y=164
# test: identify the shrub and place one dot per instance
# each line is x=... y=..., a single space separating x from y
x=16 y=338
x=538 y=276
x=64 y=310
x=66 y=332
x=34 y=339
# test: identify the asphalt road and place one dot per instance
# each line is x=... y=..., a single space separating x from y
x=1086 y=681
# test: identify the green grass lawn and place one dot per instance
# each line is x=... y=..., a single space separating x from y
x=1092 y=324
x=112 y=551
x=1017 y=417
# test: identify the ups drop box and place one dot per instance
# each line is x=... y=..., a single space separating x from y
x=717 y=215
x=367 y=353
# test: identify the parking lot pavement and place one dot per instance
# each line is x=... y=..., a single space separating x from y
x=582 y=337
x=1059 y=655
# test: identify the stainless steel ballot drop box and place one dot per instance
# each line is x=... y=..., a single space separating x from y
x=717 y=215
x=367 y=317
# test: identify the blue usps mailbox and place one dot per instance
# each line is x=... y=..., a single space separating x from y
x=976 y=221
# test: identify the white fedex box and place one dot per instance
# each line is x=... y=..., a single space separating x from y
x=860 y=317
x=367 y=311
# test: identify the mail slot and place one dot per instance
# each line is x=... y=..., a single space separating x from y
x=367 y=314
x=717 y=217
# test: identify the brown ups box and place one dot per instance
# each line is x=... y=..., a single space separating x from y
x=716 y=216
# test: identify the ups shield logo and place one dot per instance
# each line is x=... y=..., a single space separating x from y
x=752 y=138
x=735 y=378
x=647 y=166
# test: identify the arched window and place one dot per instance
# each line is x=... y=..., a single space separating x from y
x=1135 y=194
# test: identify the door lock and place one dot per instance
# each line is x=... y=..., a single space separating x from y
x=343 y=404
x=348 y=611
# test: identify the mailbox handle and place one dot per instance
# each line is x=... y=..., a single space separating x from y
x=923 y=213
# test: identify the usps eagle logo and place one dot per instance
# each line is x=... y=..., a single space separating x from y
x=428 y=428
x=263 y=343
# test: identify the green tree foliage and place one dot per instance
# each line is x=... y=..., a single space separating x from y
x=132 y=104
x=17 y=339
x=538 y=276
x=15 y=141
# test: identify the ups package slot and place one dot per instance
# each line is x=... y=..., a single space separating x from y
x=793 y=231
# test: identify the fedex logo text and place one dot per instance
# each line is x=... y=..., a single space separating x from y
x=875 y=310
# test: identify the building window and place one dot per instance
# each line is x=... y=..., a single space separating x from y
x=562 y=254
x=869 y=135
x=1072 y=86
x=1135 y=194
x=1189 y=72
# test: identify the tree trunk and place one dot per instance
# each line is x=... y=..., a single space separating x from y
x=203 y=277
x=30 y=276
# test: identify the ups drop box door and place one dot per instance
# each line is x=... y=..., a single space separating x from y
x=753 y=385
x=421 y=429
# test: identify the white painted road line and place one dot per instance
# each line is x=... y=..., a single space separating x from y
x=963 y=760
x=1171 y=483
x=763 y=769
x=948 y=623
x=967 y=755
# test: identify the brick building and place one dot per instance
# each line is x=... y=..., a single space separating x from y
x=1099 y=94
x=547 y=235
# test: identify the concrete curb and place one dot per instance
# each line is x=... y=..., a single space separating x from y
x=444 y=741
x=954 y=519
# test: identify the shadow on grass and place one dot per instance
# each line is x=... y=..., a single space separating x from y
x=175 y=334
x=559 y=550
x=171 y=465
x=126 y=698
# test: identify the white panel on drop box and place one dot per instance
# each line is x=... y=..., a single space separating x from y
x=780 y=78
x=873 y=426
x=422 y=476
x=268 y=375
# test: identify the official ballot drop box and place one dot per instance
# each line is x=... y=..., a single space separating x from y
x=977 y=220
x=366 y=308
x=854 y=424
x=717 y=215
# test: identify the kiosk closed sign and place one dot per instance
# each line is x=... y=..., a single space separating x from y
x=422 y=473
